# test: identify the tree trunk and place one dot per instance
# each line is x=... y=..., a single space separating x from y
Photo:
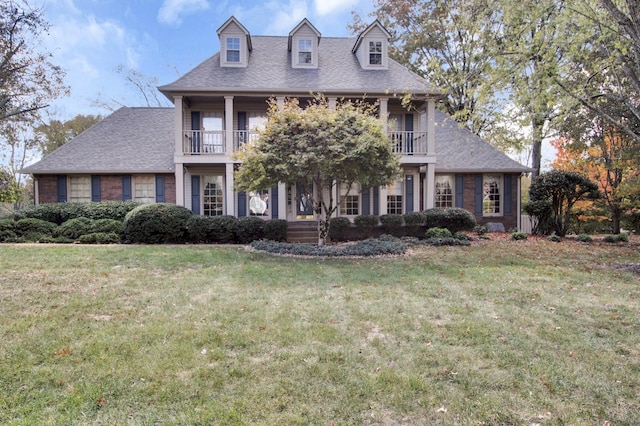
x=536 y=146
x=616 y=215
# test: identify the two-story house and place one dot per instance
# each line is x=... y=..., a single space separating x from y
x=185 y=154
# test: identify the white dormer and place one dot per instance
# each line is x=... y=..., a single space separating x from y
x=303 y=45
x=235 y=44
x=372 y=47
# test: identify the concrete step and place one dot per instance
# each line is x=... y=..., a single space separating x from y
x=302 y=232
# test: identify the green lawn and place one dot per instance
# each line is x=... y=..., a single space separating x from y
x=507 y=333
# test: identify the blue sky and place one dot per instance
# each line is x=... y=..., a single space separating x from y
x=90 y=39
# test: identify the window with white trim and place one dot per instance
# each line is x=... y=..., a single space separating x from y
x=79 y=189
x=305 y=52
x=144 y=189
x=213 y=195
x=491 y=195
x=349 y=203
x=394 y=198
x=444 y=191
x=233 y=49
x=375 y=53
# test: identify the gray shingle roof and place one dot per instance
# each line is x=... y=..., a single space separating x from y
x=269 y=72
x=131 y=140
x=459 y=150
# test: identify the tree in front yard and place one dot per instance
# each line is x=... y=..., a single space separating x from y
x=318 y=148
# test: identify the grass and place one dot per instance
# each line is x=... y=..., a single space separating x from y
x=508 y=333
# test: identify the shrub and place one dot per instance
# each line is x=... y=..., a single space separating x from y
x=517 y=236
x=59 y=213
x=617 y=238
x=34 y=229
x=157 y=223
x=414 y=218
x=250 y=228
x=276 y=230
x=453 y=218
x=445 y=242
x=100 y=238
x=339 y=228
x=461 y=236
x=554 y=238
x=7 y=230
x=116 y=210
x=74 y=228
x=480 y=230
x=224 y=229
x=438 y=233
x=370 y=247
x=391 y=223
x=200 y=229
x=108 y=226
x=584 y=238
x=365 y=224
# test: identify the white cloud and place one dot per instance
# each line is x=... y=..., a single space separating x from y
x=286 y=16
x=172 y=11
x=327 y=7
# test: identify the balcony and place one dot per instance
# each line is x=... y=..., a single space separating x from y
x=213 y=142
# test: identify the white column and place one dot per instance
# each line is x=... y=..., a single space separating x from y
x=229 y=194
x=178 y=138
x=280 y=101
x=228 y=124
x=333 y=102
x=431 y=127
x=383 y=200
x=430 y=186
x=384 y=112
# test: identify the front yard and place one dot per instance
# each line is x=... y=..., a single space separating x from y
x=501 y=332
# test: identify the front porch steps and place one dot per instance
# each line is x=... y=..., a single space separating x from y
x=302 y=232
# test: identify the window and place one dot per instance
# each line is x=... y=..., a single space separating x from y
x=233 y=49
x=259 y=203
x=375 y=53
x=304 y=51
x=349 y=203
x=79 y=189
x=144 y=189
x=444 y=191
x=394 y=198
x=213 y=196
x=212 y=133
x=491 y=195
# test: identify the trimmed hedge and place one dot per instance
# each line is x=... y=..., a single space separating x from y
x=157 y=224
x=59 y=213
x=250 y=228
x=453 y=218
x=75 y=228
x=32 y=229
x=200 y=229
x=7 y=230
x=391 y=223
x=370 y=247
x=100 y=238
x=365 y=223
x=224 y=229
x=438 y=233
x=339 y=228
x=276 y=230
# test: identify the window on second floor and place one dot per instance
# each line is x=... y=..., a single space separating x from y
x=375 y=53
x=304 y=51
x=233 y=49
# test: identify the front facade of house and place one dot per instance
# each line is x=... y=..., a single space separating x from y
x=220 y=106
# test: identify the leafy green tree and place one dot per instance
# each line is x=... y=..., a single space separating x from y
x=562 y=189
x=28 y=80
x=56 y=133
x=318 y=148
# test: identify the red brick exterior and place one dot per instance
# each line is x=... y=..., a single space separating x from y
x=170 y=188
x=47 y=188
x=509 y=221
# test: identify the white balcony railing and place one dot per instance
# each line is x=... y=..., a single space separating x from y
x=243 y=137
x=197 y=142
x=409 y=143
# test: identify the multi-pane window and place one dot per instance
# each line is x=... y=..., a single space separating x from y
x=394 y=198
x=375 y=53
x=213 y=196
x=144 y=189
x=444 y=191
x=349 y=201
x=79 y=188
x=491 y=195
x=304 y=51
x=233 y=49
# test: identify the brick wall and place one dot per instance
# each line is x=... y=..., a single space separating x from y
x=511 y=221
x=170 y=188
x=111 y=188
x=47 y=188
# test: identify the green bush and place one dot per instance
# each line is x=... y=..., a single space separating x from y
x=461 y=236
x=116 y=210
x=480 y=230
x=100 y=238
x=584 y=238
x=415 y=219
x=616 y=238
x=74 y=228
x=365 y=224
x=445 y=242
x=157 y=223
x=517 y=236
x=224 y=229
x=554 y=238
x=7 y=230
x=108 y=226
x=250 y=228
x=276 y=230
x=59 y=213
x=387 y=245
x=391 y=223
x=453 y=218
x=438 y=233
x=339 y=228
x=32 y=229
x=200 y=229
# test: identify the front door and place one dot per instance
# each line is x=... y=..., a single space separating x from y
x=304 y=208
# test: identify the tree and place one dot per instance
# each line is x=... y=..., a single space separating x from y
x=56 y=133
x=18 y=141
x=318 y=148
x=562 y=189
x=28 y=81
x=143 y=84
x=452 y=44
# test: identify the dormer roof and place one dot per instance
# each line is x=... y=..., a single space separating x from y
x=233 y=20
x=304 y=22
x=375 y=24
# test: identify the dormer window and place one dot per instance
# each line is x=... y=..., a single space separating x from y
x=233 y=49
x=375 y=53
x=304 y=51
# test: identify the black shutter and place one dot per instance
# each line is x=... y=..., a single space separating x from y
x=376 y=200
x=126 y=188
x=478 y=195
x=408 y=127
x=159 y=189
x=366 y=200
x=195 y=134
x=61 y=188
x=274 y=202
x=508 y=188
x=195 y=194
x=408 y=191
x=95 y=188
x=242 y=204
x=459 y=191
